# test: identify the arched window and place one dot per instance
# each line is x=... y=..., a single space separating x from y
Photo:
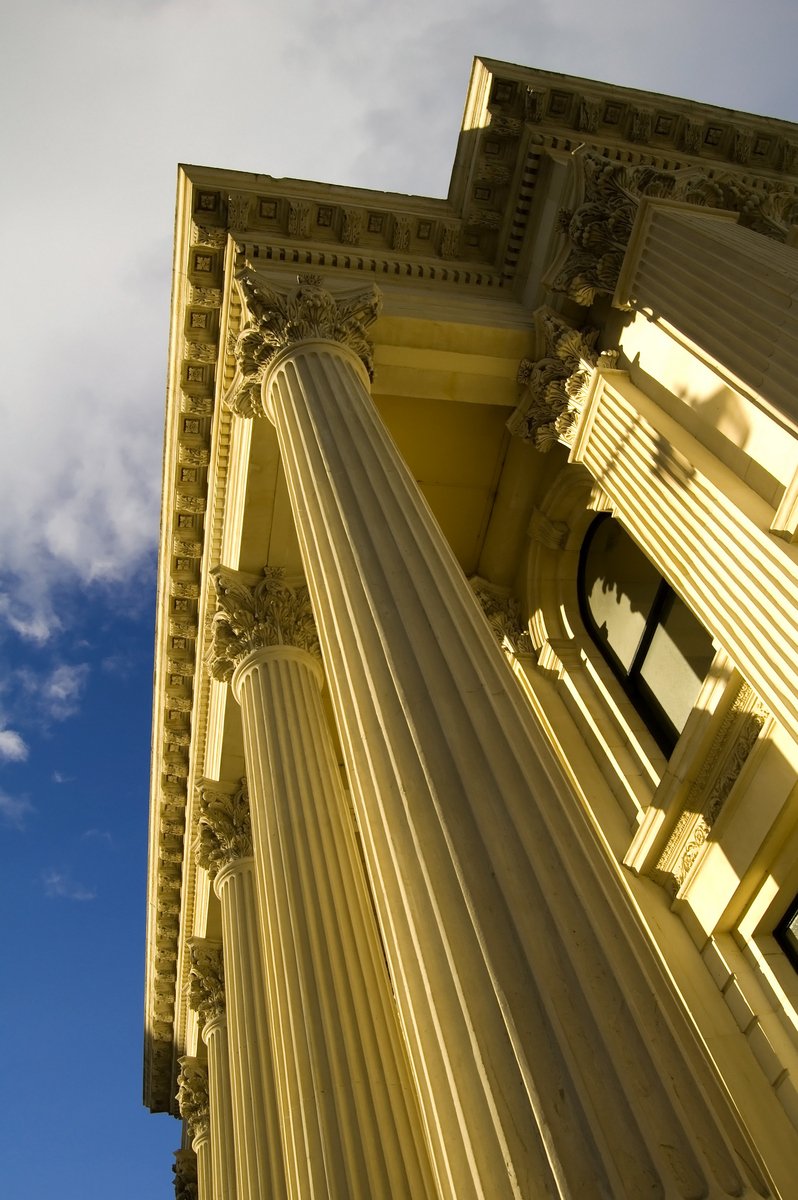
x=657 y=648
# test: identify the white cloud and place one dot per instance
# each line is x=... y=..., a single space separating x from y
x=59 y=886
x=14 y=810
x=56 y=694
x=12 y=746
x=98 y=835
x=363 y=92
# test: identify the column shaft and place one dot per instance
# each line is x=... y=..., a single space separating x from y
x=201 y=1145
x=214 y=1034
x=348 y=1118
x=731 y=291
x=259 y=1167
x=545 y=1066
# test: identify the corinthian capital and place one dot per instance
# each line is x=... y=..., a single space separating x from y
x=185 y=1173
x=206 y=980
x=252 y=616
x=280 y=318
x=192 y=1095
x=224 y=833
x=556 y=384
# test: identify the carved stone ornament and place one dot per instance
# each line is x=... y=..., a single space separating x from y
x=184 y=1169
x=224 y=831
x=555 y=384
x=278 y=319
x=733 y=743
x=599 y=225
x=206 y=980
x=504 y=616
x=192 y=1095
x=238 y=209
x=251 y=616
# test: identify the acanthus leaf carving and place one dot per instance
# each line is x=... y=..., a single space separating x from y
x=503 y=613
x=238 y=210
x=278 y=319
x=205 y=991
x=250 y=616
x=555 y=384
x=192 y=1095
x=184 y=1169
x=598 y=228
x=224 y=830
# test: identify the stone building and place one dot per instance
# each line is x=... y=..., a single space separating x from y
x=474 y=826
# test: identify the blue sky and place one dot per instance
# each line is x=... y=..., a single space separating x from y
x=101 y=101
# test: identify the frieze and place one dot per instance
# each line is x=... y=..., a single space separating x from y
x=278 y=318
x=224 y=830
x=250 y=616
x=555 y=384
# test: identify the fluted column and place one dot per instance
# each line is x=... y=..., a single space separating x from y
x=193 y=1101
x=206 y=997
x=225 y=850
x=733 y=292
x=349 y=1121
x=550 y=1057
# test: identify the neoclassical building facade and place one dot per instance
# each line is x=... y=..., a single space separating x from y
x=474 y=816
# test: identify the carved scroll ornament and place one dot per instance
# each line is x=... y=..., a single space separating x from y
x=598 y=227
x=504 y=616
x=278 y=319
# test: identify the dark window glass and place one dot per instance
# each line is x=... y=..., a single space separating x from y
x=786 y=933
x=655 y=645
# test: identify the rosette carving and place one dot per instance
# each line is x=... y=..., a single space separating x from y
x=250 y=616
x=556 y=384
x=206 y=980
x=278 y=319
x=224 y=832
x=192 y=1095
x=599 y=226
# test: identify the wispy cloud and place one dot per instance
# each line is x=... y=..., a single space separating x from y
x=98 y=835
x=59 y=777
x=13 y=747
x=14 y=810
x=56 y=693
x=59 y=886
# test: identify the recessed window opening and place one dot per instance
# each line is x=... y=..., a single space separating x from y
x=656 y=647
x=786 y=933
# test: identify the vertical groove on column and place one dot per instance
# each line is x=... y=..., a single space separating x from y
x=258 y=1157
x=518 y=962
x=731 y=291
x=342 y=1075
x=221 y=1110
